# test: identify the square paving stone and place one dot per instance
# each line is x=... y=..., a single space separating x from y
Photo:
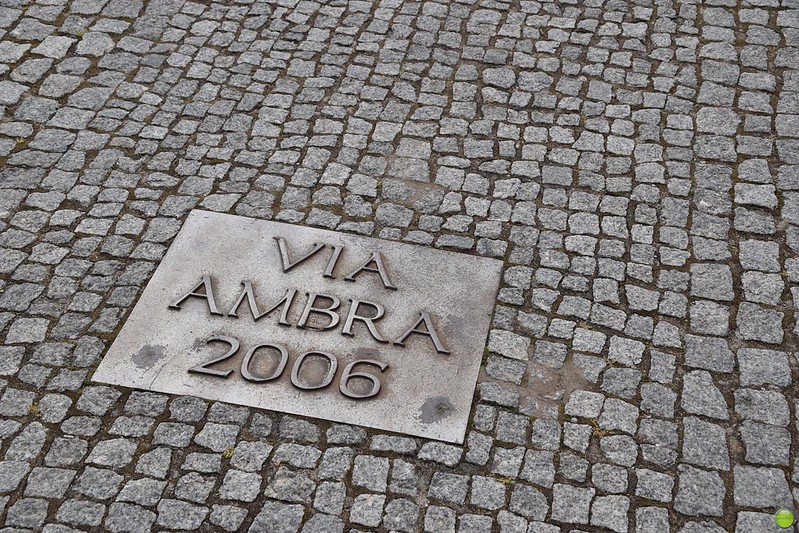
x=48 y=482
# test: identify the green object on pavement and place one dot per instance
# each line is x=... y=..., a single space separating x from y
x=784 y=518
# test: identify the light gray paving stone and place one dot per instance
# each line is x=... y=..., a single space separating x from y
x=749 y=521
x=651 y=519
x=322 y=523
x=143 y=491
x=759 y=367
x=97 y=483
x=113 y=452
x=11 y=474
x=290 y=486
x=528 y=502
x=173 y=434
x=335 y=463
x=708 y=353
x=401 y=515
x=329 y=497
x=449 y=487
x=240 y=486
x=402 y=445
x=370 y=472
x=46 y=482
x=711 y=281
x=367 y=510
x=701 y=396
x=217 y=437
x=619 y=449
x=507 y=462
x=474 y=523
x=585 y=404
x=760 y=324
x=699 y=493
x=609 y=478
x=66 y=451
x=194 y=487
x=610 y=512
x=765 y=444
x=297 y=429
x=16 y=402
x=81 y=513
x=571 y=505
x=250 y=456
x=440 y=453
x=439 y=519
x=760 y=487
x=177 y=514
x=278 y=517
x=227 y=517
x=705 y=444
x=155 y=463
x=28 y=444
x=27 y=513
x=296 y=455
x=539 y=468
x=762 y=406
x=404 y=477
x=341 y=434
x=187 y=409
x=511 y=522
x=127 y=517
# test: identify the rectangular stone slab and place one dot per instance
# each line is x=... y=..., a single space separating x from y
x=423 y=390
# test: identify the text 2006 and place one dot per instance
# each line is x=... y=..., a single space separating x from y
x=282 y=351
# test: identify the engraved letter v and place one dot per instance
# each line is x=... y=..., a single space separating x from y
x=284 y=254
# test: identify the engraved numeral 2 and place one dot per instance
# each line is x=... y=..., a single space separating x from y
x=203 y=368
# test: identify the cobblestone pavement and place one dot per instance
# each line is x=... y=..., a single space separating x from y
x=634 y=164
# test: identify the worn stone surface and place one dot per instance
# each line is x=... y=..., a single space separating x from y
x=634 y=166
x=424 y=380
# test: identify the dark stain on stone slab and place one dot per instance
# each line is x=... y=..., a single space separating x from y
x=436 y=408
x=148 y=355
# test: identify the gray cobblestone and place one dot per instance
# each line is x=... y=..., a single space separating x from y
x=571 y=504
x=194 y=487
x=449 y=487
x=27 y=512
x=81 y=513
x=155 y=463
x=176 y=514
x=144 y=491
x=296 y=455
x=290 y=486
x=217 y=437
x=705 y=444
x=48 y=482
x=98 y=484
x=370 y=472
x=367 y=510
x=439 y=519
x=11 y=474
x=699 y=493
x=760 y=487
x=701 y=396
x=126 y=517
x=114 y=452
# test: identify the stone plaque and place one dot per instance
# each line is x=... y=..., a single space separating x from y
x=311 y=322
